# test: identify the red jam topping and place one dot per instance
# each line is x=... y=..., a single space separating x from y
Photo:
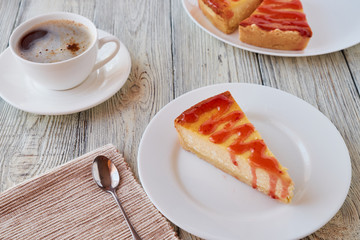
x=279 y=14
x=221 y=102
x=222 y=116
x=220 y=7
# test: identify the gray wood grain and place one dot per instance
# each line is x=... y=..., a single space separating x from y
x=170 y=56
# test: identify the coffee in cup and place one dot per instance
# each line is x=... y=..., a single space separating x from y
x=54 y=41
x=59 y=50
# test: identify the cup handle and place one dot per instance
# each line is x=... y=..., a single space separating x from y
x=101 y=43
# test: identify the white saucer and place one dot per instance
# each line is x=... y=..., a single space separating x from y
x=19 y=91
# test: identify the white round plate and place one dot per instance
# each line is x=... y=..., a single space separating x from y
x=334 y=24
x=213 y=205
x=19 y=91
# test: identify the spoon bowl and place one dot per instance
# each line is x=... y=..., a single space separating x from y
x=105 y=173
x=107 y=177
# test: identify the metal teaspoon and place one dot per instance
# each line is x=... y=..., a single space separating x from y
x=107 y=177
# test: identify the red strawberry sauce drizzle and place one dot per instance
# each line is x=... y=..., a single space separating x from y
x=220 y=7
x=257 y=159
x=284 y=15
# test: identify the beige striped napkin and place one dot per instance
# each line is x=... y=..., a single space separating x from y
x=67 y=204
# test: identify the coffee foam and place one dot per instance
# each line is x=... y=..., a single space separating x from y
x=64 y=39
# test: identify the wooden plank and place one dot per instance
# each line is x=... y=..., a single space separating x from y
x=352 y=56
x=144 y=28
x=7 y=124
x=201 y=60
x=8 y=18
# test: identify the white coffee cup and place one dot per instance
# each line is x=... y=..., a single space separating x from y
x=65 y=74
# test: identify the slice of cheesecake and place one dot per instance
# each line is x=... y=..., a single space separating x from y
x=218 y=131
x=227 y=14
x=277 y=24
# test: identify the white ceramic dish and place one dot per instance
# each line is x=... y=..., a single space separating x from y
x=211 y=204
x=19 y=91
x=334 y=25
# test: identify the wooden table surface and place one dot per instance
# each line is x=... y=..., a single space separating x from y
x=171 y=56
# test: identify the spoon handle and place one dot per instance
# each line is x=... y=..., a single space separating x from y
x=133 y=232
